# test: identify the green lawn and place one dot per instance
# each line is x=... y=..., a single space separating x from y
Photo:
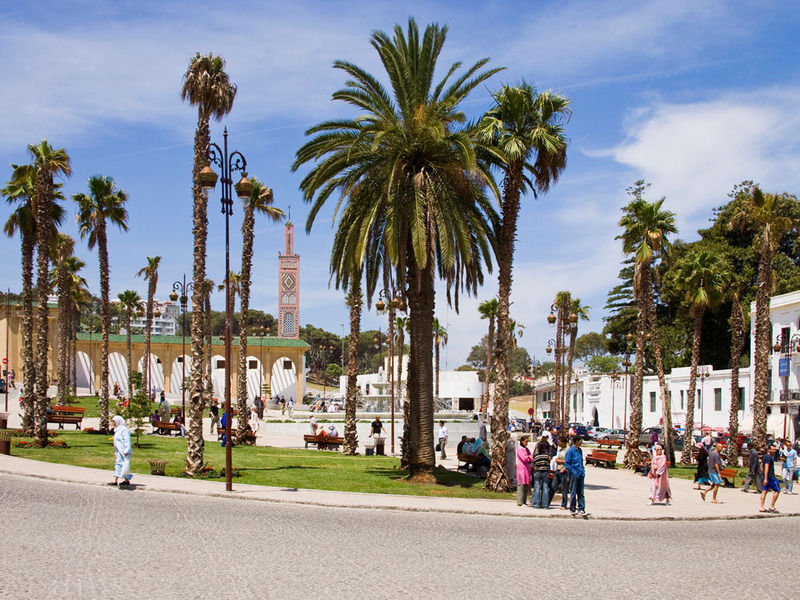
x=264 y=466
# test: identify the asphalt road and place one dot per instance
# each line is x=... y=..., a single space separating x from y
x=63 y=540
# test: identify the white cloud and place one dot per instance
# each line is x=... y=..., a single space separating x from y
x=695 y=152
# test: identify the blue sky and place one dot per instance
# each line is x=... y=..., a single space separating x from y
x=692 y=96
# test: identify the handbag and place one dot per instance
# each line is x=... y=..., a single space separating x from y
x=438 y=447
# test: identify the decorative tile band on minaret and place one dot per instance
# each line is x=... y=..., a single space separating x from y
x=289 y=288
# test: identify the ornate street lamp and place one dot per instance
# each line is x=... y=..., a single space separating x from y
x=184 y=289
x=229 y=163
x=787 y=346
x=702 y=373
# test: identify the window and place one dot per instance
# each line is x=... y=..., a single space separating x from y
x=682 y=405
x=288 y=324
x=220 y=363
x=717 y=399
x=699 y=401
x=180 y=359
x=786 y=333
x=287 y=365
x=652 y=402
x=742 y=399
x=252 y=364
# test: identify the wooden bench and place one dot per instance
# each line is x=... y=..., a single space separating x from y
x=161 y=426
x=602 y=457
x=610 y=443
x=323 y=442
x=66 y=414
x=729 y=477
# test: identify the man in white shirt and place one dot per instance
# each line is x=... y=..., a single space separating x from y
x=442 y=440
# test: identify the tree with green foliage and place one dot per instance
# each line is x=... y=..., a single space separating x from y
x=590 y=344
x=439 y=339
x=130 y=301
x=150 y=273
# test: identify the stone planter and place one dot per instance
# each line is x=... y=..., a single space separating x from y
x=157 y=467
x=5 y=441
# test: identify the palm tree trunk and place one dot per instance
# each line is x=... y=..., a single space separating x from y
x=63 y=331
x=497 y=478
x=688 y=440
x=209 y=385
x=248 y=233
x=573 y=334
x=128 y=357
x=421 y=301
x=404 y=447
x=436 y=362
x=44 y=229
x=195 y=444
x=737 y=342
x=632 y=455
x=350 y=432
x=105 y=317
x=74 y=351
x=146 y=379
x=29 y=369
x=763 y=333
x=487 y=378
x=666 y=404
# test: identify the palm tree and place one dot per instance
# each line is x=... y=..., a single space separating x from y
x=103 y=206
x=47 y=164
x=20 y=190
x=150 y=274
x=439 y=338
x=702 y=275
x=60 y=253
x=645 y=229
x=562 y=302
x=524 y=134
x=412 y=189
x=205 y=85
x=766 y=213
x=577 y=312
x=401 y=327
x=488 y=310
x=129 y=301
x=260 y=201
x=77 y=285
x=207 y=288
x=354 y=302
x=81 y=303
x=737 y=343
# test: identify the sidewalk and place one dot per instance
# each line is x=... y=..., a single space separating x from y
x=610 y=495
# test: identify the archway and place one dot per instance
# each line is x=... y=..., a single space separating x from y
x=284 y=379
x=255 y=378
x=176 y=374
x=156 y=374
x=85 y=374
x=117 y=372
x=596 y=418
x=218 y=376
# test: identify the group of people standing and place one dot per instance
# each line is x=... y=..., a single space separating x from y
x=552 y=466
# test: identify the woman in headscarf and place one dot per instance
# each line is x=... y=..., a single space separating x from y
x=659 y=477
x=524 y=458
x=122 y=452
x=701 y=476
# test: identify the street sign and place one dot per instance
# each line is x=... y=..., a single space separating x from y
x=5 y=361
x=783 y=366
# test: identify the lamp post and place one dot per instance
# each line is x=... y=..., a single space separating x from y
x=262 y=332
x=6 y=366
x=702 y=373
x=184 y=288
x=551 y=344
x=626 y=362
x=534 y=364
x=786 y=344
x=614 y=377
x=228 y=163
x=392 y=303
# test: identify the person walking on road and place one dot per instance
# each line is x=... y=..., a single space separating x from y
x=573 y=461
x=770 y=482
x=753 y=471
x=524 y=459
x=122 y=452
x=541 y=475
x=442 y=440
x=714 y=474
x=214 y=412
x=789 y=456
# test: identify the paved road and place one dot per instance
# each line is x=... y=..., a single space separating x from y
x=65 y=540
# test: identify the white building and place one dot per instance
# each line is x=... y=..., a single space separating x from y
x=596 y=399
x=164 y=324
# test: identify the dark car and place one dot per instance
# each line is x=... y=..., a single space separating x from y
x=580 y=430
x=646 y=436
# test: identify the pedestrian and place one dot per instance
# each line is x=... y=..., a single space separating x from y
x=770 y=482
x=789 y=455
x=524 y=458
x=714 y=473
x=259 y=404
x=573 y=461
x=313 y=425
x=482 y=433
x=290 y=406
x=116 y=389
x=376 y=428
x=541 y=475
x=560 y=473
x=659 y=477
x=753 y=471
x=122 y=452
x=11 y=377
x=254 y=423
x=442 y=440
x=283 y=405
x=214 y=411
x=701 y=473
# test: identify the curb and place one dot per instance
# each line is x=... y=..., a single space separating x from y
x=437 y=510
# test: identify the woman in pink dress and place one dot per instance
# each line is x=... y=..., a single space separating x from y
x=659 y=477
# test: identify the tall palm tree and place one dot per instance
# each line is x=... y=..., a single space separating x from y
x=488 y=310
x=47 y=163
x=20 y=190
x=207 y=86
x=354 y=302
x=577 y=312
x=81 y=303
x=737 y=344
x=129 y=301
x=60 y=252
x=562 y=302
x=104 y=205
x=766 y=213
x=645 y=229
x=439 y=339
x=259 y=202
x=150 y=274
x=207 y=288
x=401 y=327
x=412 y=189
x=702 y=274
x=524 y=134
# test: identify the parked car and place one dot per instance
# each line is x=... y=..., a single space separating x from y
x=646 y=436
x=580 y=430
x=613 y=434
x=593 y=432
x=2 y=386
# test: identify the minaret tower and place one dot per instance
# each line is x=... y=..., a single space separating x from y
x=289 y=288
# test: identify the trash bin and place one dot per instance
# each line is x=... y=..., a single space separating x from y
x=380 y=443
x=5 y=441
x=368 y=450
